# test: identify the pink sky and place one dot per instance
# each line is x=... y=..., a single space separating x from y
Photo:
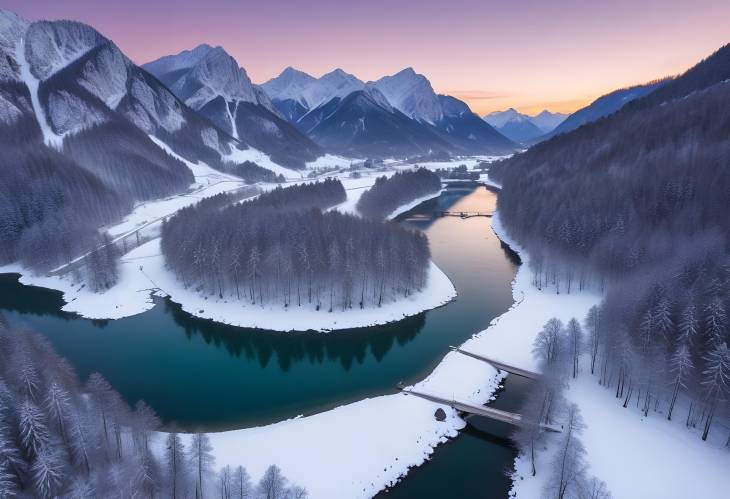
x=493 y=54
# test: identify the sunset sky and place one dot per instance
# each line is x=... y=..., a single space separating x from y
x=525 y=54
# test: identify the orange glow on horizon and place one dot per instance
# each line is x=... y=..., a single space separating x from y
x=526 y=54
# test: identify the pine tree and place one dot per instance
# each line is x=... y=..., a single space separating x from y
x=33 y=428
x=58 y=406
x=688 y=325
x=715 y=321
x=715 y=381
x=8 y=486
x=681 y=367
x=48 y=472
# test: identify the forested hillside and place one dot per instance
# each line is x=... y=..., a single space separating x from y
x=387 y=194
x=281 y=248
x=636 y=204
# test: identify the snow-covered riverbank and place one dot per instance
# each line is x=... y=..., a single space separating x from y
x=637 y=457
x=409 y=206
x=143 y=274
x=361 y=448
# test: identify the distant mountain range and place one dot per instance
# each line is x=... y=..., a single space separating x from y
x=395 y=116
x=211 y=82
x=521 y=127
x=530 y=130
x=295 y=93
x=603 y=106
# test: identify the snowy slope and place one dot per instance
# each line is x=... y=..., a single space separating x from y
x=603 y=106
x=211 y=82
x=310 y=92
x=411 y=94
x=363 y=124
x=637 y=457
x=12 y=28
x=548 y=121
x=515 y=125
x=199 y=75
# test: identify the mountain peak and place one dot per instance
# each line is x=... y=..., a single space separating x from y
x=204 y=73
x=409 y=71
x=182 y=60
x=310 y=92
x=412 y=94
x=290 y=71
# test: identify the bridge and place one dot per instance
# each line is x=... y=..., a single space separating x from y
x=478 y=410
x=499 y=365
x=134 y=238
x=470 y=183
x=463 y=214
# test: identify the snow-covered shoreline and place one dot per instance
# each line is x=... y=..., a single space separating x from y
x=143 y=275
x=370 y=444
x=409 y=206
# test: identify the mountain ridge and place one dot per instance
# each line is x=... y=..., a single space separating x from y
x=212 y=82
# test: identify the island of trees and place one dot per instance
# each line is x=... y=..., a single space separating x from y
x=387 y=194
x=60 y=437
x=282 y=248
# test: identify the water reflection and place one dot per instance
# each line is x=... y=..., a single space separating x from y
x=348 y=347
x=201 y=374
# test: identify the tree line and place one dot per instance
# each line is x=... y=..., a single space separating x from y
x=252 y=173
x=635 y=204
x=63 y=438
x=387 y=194
x=622 y=194
x=669 y=341
x=558 y=348
x=282 y=248
x=657 y=366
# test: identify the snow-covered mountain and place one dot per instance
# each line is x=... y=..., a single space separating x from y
x=69 y=80
x=547 y=121
x=314 y=104
x=211 y=82
x=515 y=125
x=500 y=118
x=521 y=127
x=75 y=122
x=411 y=93
x=205 y=73
x=468 y=132
x=364 y=124
x=294 y=92
x=603 y=106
